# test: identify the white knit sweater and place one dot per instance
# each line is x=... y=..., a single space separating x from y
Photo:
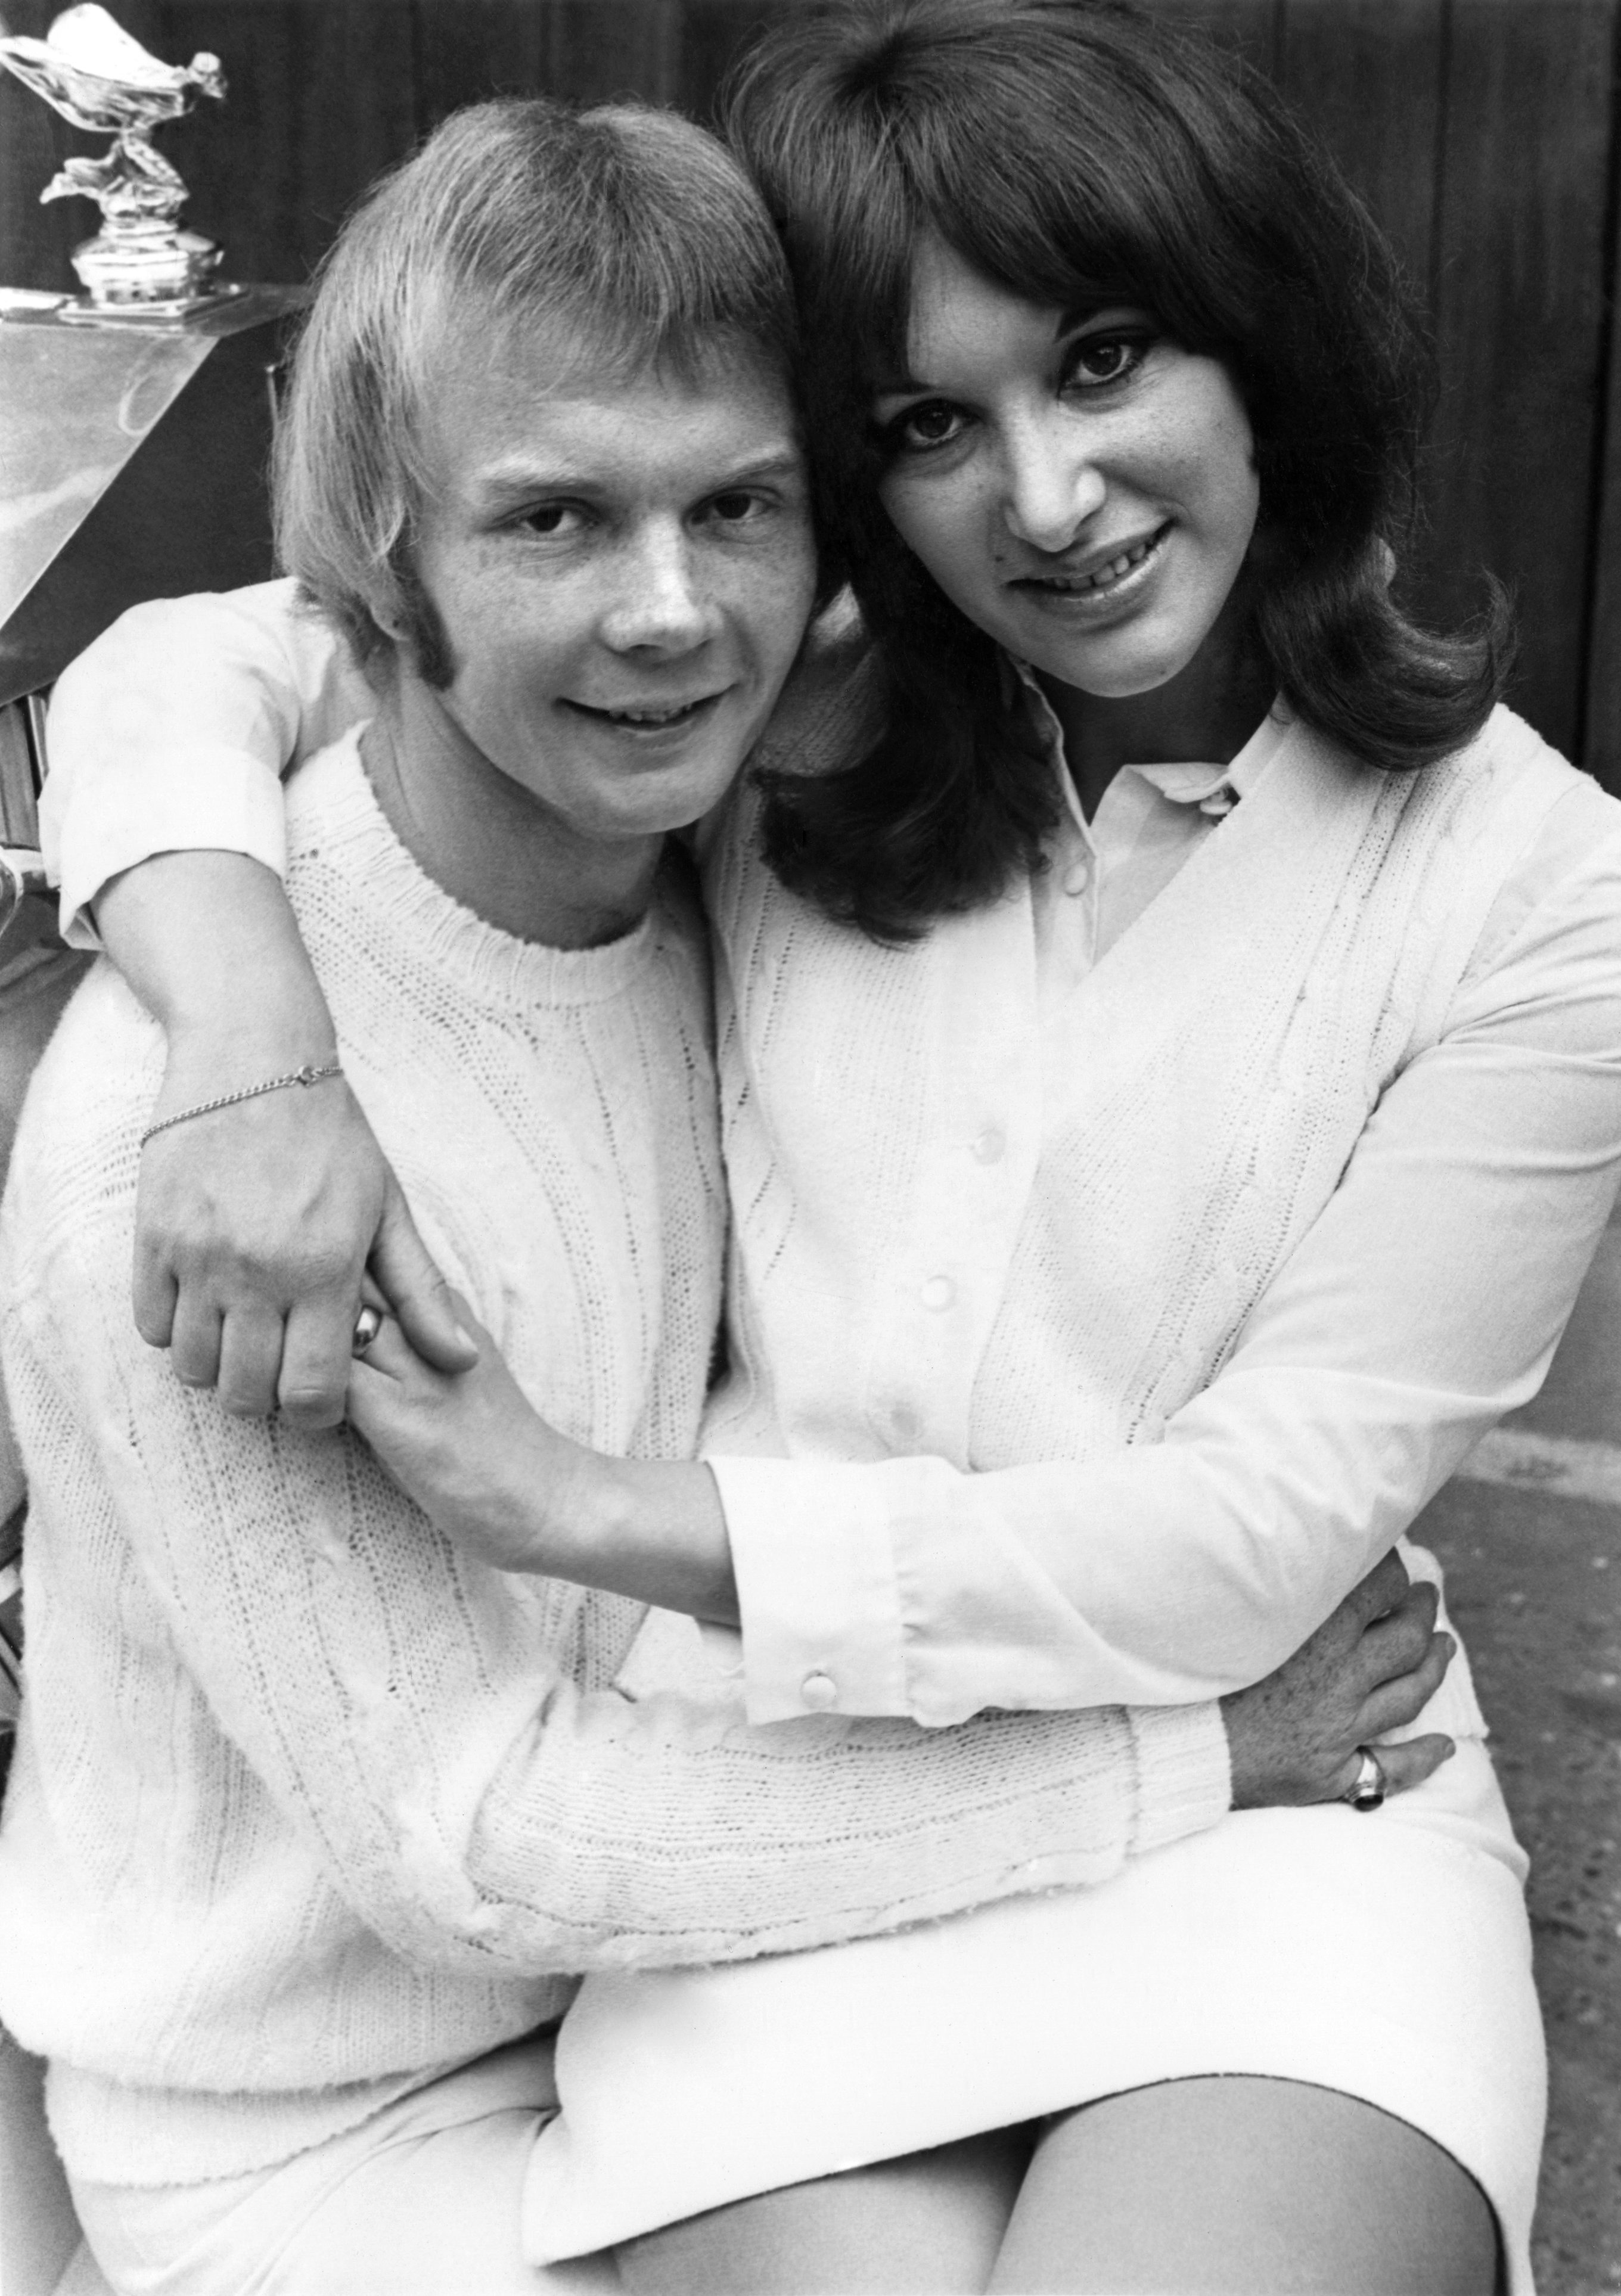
x=305 y=1804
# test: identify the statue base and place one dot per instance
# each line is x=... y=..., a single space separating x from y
x=153 y=272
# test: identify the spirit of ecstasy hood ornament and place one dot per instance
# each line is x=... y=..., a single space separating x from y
x=140 y=264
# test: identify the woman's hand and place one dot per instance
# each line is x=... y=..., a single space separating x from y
x=254 y=1226
x=1371 y=1668
x=505 y=1487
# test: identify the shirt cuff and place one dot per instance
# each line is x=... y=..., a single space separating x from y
x=1184 y=1774
x=816 y=1590
x=209 y=800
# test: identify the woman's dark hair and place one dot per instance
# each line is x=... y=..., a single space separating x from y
x=1080 y=154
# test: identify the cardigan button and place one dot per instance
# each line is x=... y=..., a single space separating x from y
x=819 y=1692
x=938 y=1293
x=1077 y=876
x=991 y=1146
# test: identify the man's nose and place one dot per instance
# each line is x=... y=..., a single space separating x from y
x=663 y=605
x=1051 y=483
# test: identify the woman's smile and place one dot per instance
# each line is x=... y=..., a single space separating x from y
x=1080 y=486
x=1105 y=581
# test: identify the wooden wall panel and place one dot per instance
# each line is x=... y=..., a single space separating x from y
x=323 y=95
x=1479 y=131
x=1366 y=75
x=1519 y=297
x=1601 y=716
x=1252 y=27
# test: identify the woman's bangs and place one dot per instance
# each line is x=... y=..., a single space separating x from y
x=1097 y=231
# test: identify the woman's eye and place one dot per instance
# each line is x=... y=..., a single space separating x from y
x=932 y=423
x=1106 y=358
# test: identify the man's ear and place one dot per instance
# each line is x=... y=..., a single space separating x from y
x=410 y=621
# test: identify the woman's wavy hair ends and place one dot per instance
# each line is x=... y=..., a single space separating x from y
x=632 y=231
x=1080 y=153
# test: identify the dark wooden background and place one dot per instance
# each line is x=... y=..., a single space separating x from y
x=1485 y=134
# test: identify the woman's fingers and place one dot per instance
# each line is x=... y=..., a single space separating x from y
x=414 y=1288
x=1405 y=1765
x=1381 y=1592
x=1396 y=1704
x=1396 y=1644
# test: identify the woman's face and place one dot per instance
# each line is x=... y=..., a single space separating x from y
x=1079 y=485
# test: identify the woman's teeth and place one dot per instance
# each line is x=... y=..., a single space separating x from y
x=1104 y=577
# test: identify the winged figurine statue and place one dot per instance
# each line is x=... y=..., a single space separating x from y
x=89 y=69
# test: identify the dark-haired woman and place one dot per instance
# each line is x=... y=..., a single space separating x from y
x=1172 y=1077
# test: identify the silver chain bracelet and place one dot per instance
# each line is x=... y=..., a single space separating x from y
x=306 y=1075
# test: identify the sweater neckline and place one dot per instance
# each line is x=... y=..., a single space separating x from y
x=333 y=815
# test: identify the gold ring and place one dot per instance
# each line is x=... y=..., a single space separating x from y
x=367 y=1325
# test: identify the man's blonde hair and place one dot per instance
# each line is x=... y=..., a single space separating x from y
x=631 y=228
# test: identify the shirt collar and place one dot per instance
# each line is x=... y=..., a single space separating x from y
x=1215 y=789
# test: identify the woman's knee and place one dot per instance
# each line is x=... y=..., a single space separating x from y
x=929 y=2224
x=1237 y=2186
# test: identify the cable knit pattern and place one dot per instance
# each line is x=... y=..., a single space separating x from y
x=1071 y=1361
x=305 y=1805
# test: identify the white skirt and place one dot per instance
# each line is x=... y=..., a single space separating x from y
x=1385 y=1955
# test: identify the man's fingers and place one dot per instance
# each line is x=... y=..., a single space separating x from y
x=316 y=1358
x=155 y=1293
x=1404 y=1766
x=194 y=1342
x=249 y=1360
x=417 y=1291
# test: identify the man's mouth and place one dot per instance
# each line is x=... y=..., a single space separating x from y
x=648 y=716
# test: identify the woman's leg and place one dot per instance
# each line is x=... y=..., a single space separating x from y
x=929 y=2225
x=1245 y=2187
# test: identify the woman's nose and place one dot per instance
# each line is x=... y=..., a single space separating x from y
x=662 y=605
x=1051 y=484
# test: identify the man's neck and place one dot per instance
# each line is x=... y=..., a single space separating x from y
x=488 y=843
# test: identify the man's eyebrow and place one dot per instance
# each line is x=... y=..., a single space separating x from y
x=510 y=485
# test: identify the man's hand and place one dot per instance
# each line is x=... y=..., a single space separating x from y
x=254 y=1226
x=254 y=1223
x=1371 y=1668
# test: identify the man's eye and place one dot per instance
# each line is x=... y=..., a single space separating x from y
x=549 y=519
x=736 y=506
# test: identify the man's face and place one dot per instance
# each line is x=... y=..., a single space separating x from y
x=621 y=568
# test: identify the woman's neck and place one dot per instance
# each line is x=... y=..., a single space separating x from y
x=1204 y=714
x=486 y=842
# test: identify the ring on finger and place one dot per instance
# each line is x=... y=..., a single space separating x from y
x=368 y=1322
x=1368 y=1789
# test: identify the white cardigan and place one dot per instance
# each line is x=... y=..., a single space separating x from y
x=1248 y=1231
x=1252 y=1231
